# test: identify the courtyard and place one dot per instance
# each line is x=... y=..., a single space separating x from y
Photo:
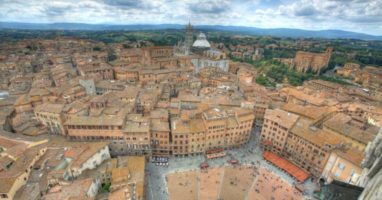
x=221 y=179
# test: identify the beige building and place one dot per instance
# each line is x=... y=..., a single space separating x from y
x=276 y=127
x=129 y=74
x=214 y=128
x=304 y=61
x=344 y=165
x=94 y=128
x=15 y=167
x=160 y=132
x=136 y=135
x=349 y=70
x=298 y=140
x=85 y=189
x=84 y=157
x=127 y=177
x=357 y=134
x=51 y=116
x=309 y=147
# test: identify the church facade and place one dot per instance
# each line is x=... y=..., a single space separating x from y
x=203 y=55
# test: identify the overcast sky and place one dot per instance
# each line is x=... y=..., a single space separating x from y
x=353 y=15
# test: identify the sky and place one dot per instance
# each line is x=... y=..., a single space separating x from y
x=363 y=16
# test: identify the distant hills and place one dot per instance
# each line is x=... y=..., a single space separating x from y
x=279 y=32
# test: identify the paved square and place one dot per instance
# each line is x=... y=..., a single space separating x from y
x=225 y=183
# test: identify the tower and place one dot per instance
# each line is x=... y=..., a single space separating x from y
x=189 y=36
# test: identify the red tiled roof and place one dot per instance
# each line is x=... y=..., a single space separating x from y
x=287 y=166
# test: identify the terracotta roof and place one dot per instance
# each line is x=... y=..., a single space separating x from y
x=22 y=100
x=137 y=123
x=311 y=112
x=123 y=193
x=16 y=150
x=38 y=92
x=191 y=126
x=83 y=152
x=319 y=137
x=158 y=125
x=159 y=114
x=340 y=123
x=215 y=113
x=76 y=190
x=50 y=108
x=136 y=165
x=301 y=95
x=281 y=117
x=352 y=155
x=99 y=120
x=8 y=143
x=119 y=174
x=22 y=162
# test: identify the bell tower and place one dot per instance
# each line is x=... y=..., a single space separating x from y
x=189 y=36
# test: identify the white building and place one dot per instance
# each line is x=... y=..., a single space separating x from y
x=201 y=42
x=200 y=63
x=85 y=157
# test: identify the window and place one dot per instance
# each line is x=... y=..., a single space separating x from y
x=337 y=174
x=341 y=166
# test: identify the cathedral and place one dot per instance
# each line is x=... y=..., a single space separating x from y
x=184 y=48
x=203 y=55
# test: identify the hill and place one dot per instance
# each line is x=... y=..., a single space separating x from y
x=279 y=32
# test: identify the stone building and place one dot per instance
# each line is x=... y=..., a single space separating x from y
x=51 y=116
x=127 y=178
x=184 y=48
x=316 y=62
x=157 y=56
x=371 y=177
x=63 y=74
x=201 y=43
x=352 y=132
x=296 y=139
x=160 y=132
x=208 y=57
x=309 y=147
x=16 y=166
x=129 y=74
x=214 y=128
x=276 y=127
x=96 y=70
x=84 y=157
x=349 y=70
x=343 y=165
x=136 y=134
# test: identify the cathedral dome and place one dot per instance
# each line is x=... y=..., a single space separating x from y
x=201 y=41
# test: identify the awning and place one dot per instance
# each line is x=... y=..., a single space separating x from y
x=299 y=174
x=204 y=165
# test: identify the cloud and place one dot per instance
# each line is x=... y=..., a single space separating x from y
x=209 y=7
x=57 y=9
x=129 y=4
x=305 y=11
x=353 y=15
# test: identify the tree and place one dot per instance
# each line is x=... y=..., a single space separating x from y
x=111 y=55
x=105 y=187
x=96 y=48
